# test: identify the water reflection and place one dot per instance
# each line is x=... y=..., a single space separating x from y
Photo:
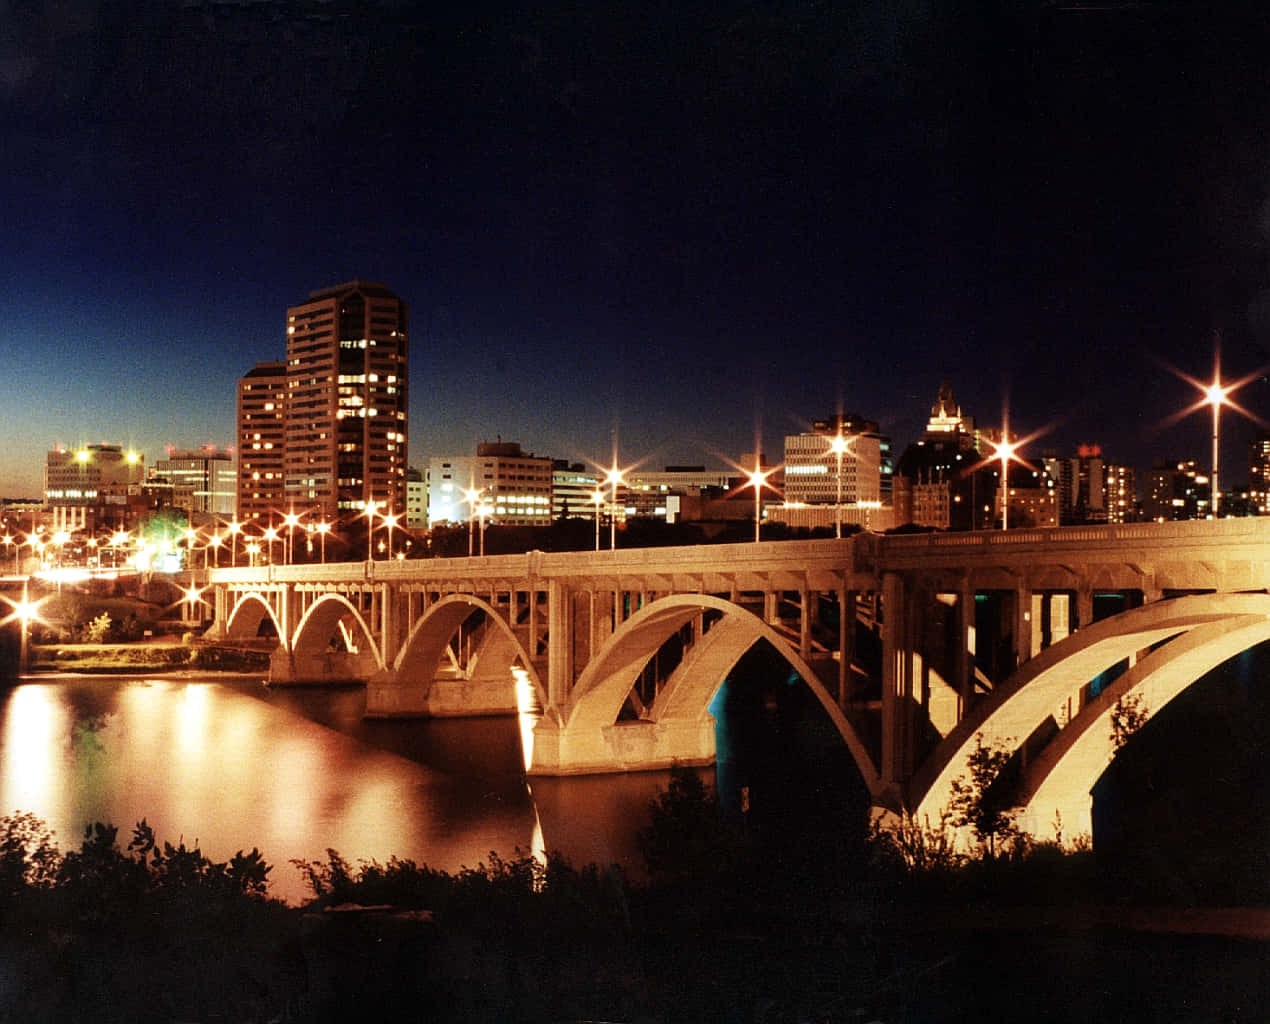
x=229 y=765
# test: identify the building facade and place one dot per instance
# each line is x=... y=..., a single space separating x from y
x=1176 y=490
x=92 y=487
x=203 y=481
x=1091 y=488
x=262 y=402
x=346 y=400
x=501 y=483
x=817 y=473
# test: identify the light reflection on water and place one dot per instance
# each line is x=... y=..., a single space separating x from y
x=229 y=765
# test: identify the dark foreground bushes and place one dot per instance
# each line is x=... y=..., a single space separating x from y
x=733 y=922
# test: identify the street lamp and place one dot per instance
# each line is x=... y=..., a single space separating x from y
x=371 y=508
x=597 y=496
x=271 y=534
x=323 y=528
x=235 y=528
x=472 y=495
x=390 y=521
x=1005 y=451
x=214 y=543
x=290 y=520
x=838 y=446
x=613 y=479
x=482 y=510
x=757 y=479
x=1215 y=395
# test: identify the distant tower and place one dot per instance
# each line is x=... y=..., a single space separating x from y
x=347 y=369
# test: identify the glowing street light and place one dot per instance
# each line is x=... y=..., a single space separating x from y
x=838 y=445
x=8 y=542
x=390 y=521
x=1005 y=451
x=290 y=520
x=597 y=496
x=214 y=543
x=323 y=528
x=613 y=479
x=757 y=480
x=473 y=495
x=271 y=535
x=234 y=528
x=371 y=508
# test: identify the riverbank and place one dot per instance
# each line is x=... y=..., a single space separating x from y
x=150 y=656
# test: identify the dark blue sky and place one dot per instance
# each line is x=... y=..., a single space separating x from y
x=682 y=225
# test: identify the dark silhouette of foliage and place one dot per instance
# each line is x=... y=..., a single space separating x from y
x=982 y=802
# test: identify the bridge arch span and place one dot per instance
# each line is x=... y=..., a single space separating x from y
x=249 y=612
x=1221 y=624
x=312 y=657
x=604 y=684
x=419 y=677
x=1060 y=780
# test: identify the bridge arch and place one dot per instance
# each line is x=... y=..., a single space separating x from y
x=249 y=612
x=604 y=684
x=1180 y=639
x=500 y=651
x=1059 y=781
x=312 y=656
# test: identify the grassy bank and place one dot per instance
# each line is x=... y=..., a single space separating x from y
x=150 y=657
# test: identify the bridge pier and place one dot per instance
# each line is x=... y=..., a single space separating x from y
x=620 y=747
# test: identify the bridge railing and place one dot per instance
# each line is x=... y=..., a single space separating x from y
x=1191 y=531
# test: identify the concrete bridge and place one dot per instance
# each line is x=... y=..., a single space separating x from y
x=1026 y=639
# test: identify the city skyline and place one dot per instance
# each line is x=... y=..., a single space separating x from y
x=674 y=231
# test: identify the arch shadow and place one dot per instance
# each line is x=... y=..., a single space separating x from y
x=249 y=612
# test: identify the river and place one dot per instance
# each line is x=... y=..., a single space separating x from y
x=229 y=764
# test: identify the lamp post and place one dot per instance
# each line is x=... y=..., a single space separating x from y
x=838 y=446
x=756 y=481
x=597 y=496
x=290 y=520
x=1005 y=452
x=1215 y=395
x=271 y=535
x=214 y=543
x=472 y=495
x=323 y=528
x=371 y=508
x=235 y=528
x=613 y=479
x=482 y=511
x=390 y=521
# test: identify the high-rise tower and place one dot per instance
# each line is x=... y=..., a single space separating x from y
x=345 y=437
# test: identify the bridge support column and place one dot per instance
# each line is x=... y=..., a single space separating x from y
x=389 y=624
x=1022 y=625
x=897 y=681
x=559 y=645
x=965 y=667
x=846 y=642
x=1060 y=617
x=1084 y=606
x=804 y=624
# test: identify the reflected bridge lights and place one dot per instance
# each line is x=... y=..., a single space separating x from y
x=528 y=711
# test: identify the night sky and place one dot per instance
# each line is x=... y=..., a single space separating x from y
x=675 y=227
